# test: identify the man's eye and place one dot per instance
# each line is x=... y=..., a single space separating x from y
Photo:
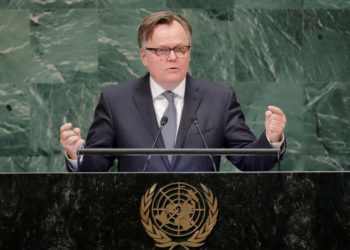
x=163 y=50
x=180 y=49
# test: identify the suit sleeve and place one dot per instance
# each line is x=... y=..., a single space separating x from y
x=238 y=135
x=101 y=135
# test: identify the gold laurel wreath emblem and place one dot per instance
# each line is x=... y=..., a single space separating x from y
x=162 y=239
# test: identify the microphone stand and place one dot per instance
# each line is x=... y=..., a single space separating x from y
x=163 y=121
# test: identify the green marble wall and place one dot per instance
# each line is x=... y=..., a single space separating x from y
x=56 y=56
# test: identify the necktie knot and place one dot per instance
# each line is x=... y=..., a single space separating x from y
x=169 y=96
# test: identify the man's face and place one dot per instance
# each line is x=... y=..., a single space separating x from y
x=170 y=70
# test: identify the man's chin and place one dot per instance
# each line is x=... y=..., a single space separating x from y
x=173 y=82
x=175 y=78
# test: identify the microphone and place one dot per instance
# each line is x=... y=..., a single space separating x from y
x=163 y=121
x=196 y=122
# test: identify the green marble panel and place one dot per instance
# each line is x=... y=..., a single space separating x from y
x=18 y=64
x=327 y=109
x=326 y=4
x=201 y=4
x=269 y=45
x=15 y=54
x=326 y=45
x=14 y=4
x=34 y=164
x=66 y=40
x=53 y=105
x=14 y=33
x=314 y=153
x=118 y=57
x=115 y=4
x=269 y=4
x=7 y=165
x=65 y=4
x=213 y=44
x=255 y=97
x=14 y=122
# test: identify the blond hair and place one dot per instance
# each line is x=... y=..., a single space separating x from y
x=146 y=28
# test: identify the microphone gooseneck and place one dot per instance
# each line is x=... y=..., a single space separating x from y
x=163 y=122
x=196 y=123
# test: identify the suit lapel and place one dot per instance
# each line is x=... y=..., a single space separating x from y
x=191 y=103
x=144 y=103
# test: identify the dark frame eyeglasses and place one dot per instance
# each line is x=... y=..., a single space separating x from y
x=181 y=51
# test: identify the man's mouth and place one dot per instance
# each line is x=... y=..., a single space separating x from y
x=172 y=68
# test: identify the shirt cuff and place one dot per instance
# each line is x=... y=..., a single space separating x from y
x=276 y=145
x=72 y=164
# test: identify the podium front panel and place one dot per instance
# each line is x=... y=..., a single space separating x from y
x=272 y=210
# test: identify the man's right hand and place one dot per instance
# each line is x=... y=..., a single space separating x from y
x=71 y=140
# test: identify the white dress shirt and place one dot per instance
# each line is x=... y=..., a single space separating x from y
x=160 y=103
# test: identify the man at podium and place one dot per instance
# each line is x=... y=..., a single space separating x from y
x=170 y=102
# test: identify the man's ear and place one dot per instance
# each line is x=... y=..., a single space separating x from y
x=143 y=56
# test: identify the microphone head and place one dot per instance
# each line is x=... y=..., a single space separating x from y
x=194 y=120
x=164 y=120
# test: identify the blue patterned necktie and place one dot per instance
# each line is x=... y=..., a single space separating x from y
x=169 y=130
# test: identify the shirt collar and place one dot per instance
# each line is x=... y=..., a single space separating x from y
x=157 y=90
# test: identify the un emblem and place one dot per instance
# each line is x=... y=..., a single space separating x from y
x=179 y=215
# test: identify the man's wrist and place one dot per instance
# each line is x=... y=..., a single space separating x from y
x=276 y=145
x=71 y=156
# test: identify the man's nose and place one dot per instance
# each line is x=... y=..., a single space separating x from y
x=172 y=55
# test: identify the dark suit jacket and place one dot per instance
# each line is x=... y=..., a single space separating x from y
x=125 y=118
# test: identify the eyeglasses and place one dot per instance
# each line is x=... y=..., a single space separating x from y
x=179 y=51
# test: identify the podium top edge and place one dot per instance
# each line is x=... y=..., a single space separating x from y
x=177 y=151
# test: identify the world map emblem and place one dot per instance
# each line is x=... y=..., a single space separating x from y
x=178 y=214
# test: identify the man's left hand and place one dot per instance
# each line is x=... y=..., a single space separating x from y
x=275 y=123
